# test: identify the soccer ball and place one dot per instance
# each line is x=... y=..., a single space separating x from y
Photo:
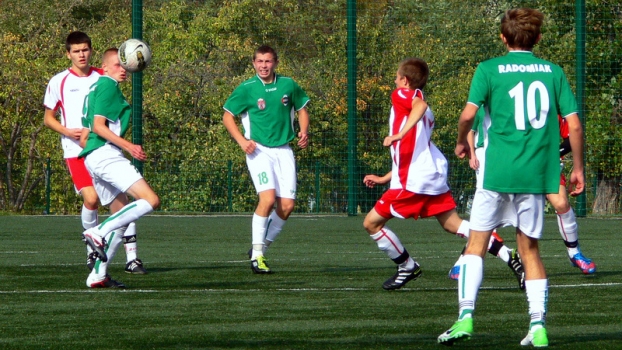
x=134 y=55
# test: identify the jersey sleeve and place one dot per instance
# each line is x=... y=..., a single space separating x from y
x=402 y=99
x=51 y=99
x=236 y=103
x=566 y=98
x=106 y=103
x=478 y=91
x=300 y=97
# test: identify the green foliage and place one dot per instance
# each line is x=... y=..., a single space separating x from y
x=202 y=50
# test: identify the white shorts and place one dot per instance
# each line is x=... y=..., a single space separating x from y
x=112 y=173
x=493 y=209
x=273 y=168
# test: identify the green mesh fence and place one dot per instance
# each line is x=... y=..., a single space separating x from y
x=202 y=51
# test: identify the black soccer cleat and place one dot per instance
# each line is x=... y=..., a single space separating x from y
x=516 y=265
x=90 y=260
x=402 y=277
x=135 y=267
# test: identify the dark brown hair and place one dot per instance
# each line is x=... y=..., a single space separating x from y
x=416 y=71
x=75 y=38
x=521 y=27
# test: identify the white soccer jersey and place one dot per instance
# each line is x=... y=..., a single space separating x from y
x=66 y=92
x=418 y=166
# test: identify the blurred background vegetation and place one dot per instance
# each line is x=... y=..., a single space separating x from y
x=202 y=50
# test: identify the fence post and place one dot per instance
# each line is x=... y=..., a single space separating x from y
x=580 y=209
x=229 y=185
x=48 y=185
x=317 y=186
x=352 y=137
x=137 y=83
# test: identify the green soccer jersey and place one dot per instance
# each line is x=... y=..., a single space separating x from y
x=105 y=99
x=478 y=128
x=267 y=110
x=522 y=96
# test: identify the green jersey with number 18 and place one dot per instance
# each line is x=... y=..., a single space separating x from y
x=522 y=96
x=267 y=110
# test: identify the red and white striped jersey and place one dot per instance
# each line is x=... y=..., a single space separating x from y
x=66 y=92
x=418 y=165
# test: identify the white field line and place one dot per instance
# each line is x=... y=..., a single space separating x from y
x=302 y=290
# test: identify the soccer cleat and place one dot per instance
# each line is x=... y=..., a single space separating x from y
x=402 y=277
x=135 y=267
x=461 y=330
x=107 y=283
x=584 y=264
x=90 y=260
x=259 y=266
x=538 y=338
x=454 y=273
x=97 y=243
x=517 y=267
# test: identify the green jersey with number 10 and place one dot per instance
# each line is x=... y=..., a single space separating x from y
x=522 y=96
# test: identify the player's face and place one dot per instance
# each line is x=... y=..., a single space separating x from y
x=112 y=67
x=400 y=81
x=264 y=65
x=80 y=56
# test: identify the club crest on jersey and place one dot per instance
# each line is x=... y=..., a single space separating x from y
x=261 y=104
x=285 y=100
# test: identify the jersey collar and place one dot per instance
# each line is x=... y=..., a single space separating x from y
x=264 y=84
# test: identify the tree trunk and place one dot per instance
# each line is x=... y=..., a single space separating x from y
x=607 y=196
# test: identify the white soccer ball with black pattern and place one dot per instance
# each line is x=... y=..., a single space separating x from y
x=134 y=55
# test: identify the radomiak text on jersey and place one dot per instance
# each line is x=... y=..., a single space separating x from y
x=525 y=68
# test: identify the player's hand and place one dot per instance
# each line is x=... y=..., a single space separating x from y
x=390 y=139
x=371 y=180
x=74 y=133
x=136 y=151
x=577 y=183
x=303 y=140
x=248 y=146
x=462 y=150
x=474 y=163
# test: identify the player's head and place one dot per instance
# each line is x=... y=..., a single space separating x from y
x=265 y=61
x=415 y=71
x=520 y=28
x=112 y=66
x=79 y=50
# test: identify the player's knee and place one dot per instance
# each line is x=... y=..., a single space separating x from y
x=154 y=201
x=90 y=202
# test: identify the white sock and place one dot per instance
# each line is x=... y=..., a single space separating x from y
x=89 y=217
x=258 y=232
x=274 y=226
x=537 y=297
x=129 y=242
x=504 y=253
x=100 y=270
x=128 y=214
x=388 y=242
x=463 y=229
x=568 y=229
x=471 y=275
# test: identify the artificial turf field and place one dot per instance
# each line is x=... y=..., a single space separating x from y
x=325 y=292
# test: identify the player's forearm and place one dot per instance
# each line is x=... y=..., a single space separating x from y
x=419 y=107
x=232 y=128
x=103 y=131
x=465 y=123
x=576 y=145
x=49 y=120
x=303 y=120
